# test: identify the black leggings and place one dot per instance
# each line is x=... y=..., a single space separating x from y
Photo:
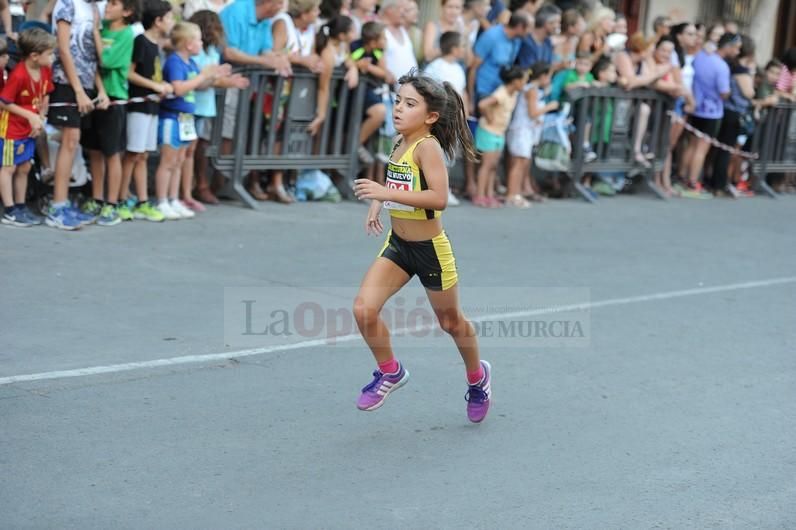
x=728 y=134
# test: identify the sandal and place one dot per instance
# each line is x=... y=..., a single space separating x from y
x=481 y=202
x=518 y=201
x=282 y=196
x=257 y=192
x=207 y=196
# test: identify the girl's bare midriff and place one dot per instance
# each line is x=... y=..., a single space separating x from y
x=416 y=229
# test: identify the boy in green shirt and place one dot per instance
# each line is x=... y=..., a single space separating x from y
x=104 y=130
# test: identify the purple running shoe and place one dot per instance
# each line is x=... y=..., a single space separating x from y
x=376 y=392
x=478 y=396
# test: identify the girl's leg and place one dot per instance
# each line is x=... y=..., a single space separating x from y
x=383 y=279
x=202 y=179
x=452 y=321
x=488 y=163
x=169 y=160
x=519 y=168
x=471 y=187
x=21 y=182
x=175 y=178
x=644 y=111
x=188 y=170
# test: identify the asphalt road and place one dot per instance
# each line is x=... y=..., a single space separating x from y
x=675 y=410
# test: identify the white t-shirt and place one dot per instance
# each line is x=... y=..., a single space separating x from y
x=399 y=55
x=452 y=72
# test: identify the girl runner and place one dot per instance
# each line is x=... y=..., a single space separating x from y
x=431 y=122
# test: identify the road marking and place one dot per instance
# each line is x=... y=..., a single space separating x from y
x=211 y=357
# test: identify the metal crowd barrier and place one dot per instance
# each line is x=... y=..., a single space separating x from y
x=279 y=139
x=613 y=133
x=774 y=141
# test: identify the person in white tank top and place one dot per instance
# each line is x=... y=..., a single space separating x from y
x=399 y=53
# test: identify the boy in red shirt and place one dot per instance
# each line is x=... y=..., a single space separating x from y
x=23 y=100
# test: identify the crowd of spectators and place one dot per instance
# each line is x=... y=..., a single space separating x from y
x=95 y=87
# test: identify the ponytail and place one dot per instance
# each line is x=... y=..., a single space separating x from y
x=451 y=129
x=337 y=26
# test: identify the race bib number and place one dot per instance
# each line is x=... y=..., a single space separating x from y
x=399 y=177
x=187 y=128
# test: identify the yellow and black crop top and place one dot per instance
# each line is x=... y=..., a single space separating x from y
x=405 y=175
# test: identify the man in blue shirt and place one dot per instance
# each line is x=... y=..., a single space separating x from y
x=711 y=87
x=248 y=31
x=537 y=47
x=249 y=43
x=495 y=48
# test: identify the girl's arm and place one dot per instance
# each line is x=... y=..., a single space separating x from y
x=485 y=107
x=324 y=80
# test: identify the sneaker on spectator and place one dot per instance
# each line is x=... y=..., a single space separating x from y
x=62 y=217
x=108 y=216
x=180 y=209
x=697 y=192
x=15 y=216
x=32 y=217
x=374 y=394
x=91 y=207
x=479 y=395
x=452 y=200
x=148 y=212
x=364 y=156
x=164 y=207
x=82 y=217
x=125 y=211
x=744 y=189
x=603 y=188
x=733 y=191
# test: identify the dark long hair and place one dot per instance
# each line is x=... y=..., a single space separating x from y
x=451 y=129
x=675 y=32
x=331 y=30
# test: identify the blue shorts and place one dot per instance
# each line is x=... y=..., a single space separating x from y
x=17 y=152
x=169 y=133
x=488 y=142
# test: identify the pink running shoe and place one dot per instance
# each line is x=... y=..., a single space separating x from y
x=478 y=396
x=376 y=392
